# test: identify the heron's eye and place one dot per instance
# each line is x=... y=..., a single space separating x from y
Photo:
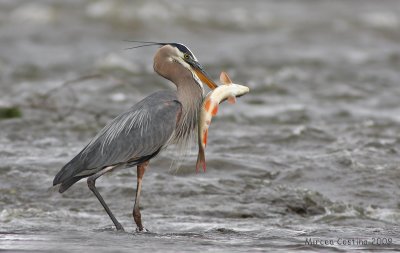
x=186 y=56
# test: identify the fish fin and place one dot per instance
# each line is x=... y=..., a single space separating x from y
x=201 y=161
x=214 y=110
x=224 y=78
x=207 y=105
x=211 y=107
x=231 y=99
x=205 y=136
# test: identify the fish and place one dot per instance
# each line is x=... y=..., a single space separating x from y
x=228 y=91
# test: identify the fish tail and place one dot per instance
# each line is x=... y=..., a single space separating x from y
x=201 y=161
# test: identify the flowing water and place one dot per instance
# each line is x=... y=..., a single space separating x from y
x=307 y=161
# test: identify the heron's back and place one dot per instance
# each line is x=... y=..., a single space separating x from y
x=133 y=137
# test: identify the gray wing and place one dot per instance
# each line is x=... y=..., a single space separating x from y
x=133 y=137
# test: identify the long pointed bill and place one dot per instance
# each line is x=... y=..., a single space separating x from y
x=204 y=77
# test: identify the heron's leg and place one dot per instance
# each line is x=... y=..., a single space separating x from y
x=141 y=168
x=91 y=181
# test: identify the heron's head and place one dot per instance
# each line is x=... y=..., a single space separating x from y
x=171 y=57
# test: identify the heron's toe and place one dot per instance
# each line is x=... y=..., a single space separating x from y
x=143 y=230
x=120 y=227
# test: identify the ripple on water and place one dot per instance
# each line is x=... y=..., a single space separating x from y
x=312 y=150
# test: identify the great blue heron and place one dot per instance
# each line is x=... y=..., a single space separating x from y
x=139 y=134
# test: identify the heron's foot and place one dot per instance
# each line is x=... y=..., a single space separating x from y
x=119 y=227
x=143 y=230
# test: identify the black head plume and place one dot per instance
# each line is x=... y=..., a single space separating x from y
x=180 y=46
x=145 y=44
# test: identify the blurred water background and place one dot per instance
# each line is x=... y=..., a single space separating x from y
x=311 y=152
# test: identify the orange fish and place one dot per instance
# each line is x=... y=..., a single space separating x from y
x=229 y=91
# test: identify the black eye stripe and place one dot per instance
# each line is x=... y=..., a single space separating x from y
x=182 y=48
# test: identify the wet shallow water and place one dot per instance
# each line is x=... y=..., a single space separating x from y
x=310 y=154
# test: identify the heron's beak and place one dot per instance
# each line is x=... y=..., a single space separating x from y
x=204 y=77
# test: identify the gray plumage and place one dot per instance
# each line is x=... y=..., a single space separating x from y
x=131 y=138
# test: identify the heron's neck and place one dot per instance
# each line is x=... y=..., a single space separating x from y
x=190 y=95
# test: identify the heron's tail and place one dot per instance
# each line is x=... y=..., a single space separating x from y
x=66 y=177
x=68 y=183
